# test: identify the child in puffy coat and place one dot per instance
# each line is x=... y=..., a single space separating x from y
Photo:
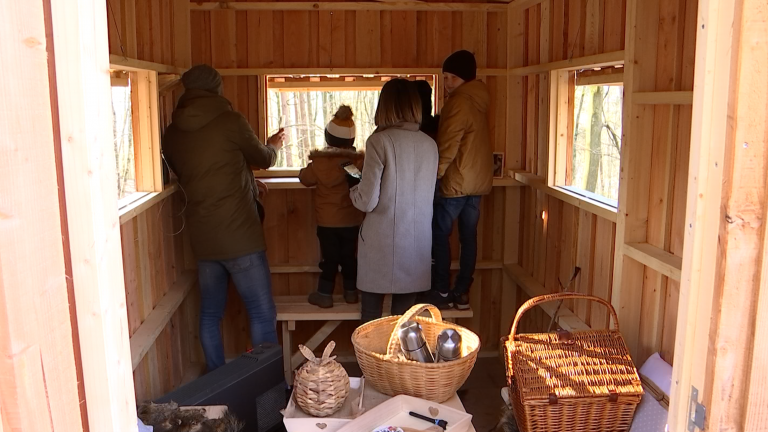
x=338 y=221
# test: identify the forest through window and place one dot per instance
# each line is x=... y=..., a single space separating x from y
x=122 y=128
x=596 y=149
x=303 y=108
x=304 y=115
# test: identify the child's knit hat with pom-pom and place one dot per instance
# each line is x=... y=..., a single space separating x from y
x=340 y=131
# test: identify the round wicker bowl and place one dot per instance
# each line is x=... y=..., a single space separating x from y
x=321 y=384
x=377 y=348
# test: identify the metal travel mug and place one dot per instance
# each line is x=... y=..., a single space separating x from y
x=413 y=344
x=448 y=345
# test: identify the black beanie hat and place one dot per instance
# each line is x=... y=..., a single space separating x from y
x=202 y=77
x=462 y=64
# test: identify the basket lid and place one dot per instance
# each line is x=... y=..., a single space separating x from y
x=584 y=364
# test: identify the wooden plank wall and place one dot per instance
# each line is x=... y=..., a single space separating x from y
x=230 y=39
x=143 y=29
x=153 y=258
x=551 y=246
x=155 y=253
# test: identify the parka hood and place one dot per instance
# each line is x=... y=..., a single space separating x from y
x=197 y=108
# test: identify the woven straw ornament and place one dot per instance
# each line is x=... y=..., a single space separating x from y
x=321 y=384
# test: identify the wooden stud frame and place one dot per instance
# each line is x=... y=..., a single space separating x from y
x=351 y=6
x=146 y=131
x=82 y=80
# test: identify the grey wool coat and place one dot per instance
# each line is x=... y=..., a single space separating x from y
x=396 y=193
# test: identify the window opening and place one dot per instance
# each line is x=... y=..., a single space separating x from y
x=304 y=105
x=587 y=159
x=122 y=128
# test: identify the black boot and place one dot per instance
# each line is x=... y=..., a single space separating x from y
x=350 y=292
x=323 y=297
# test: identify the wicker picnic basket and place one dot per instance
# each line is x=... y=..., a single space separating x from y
x=377 y=347
x=576 y=382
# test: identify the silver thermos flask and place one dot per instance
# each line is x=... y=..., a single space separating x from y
x=448 y=345
x=413 y=344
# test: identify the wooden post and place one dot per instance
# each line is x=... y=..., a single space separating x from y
x=719 y=349
x=38 y=380
x=634 y=185
x=88 y=159
x=182 y=39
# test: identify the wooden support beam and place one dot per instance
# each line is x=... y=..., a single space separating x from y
x=537 y=182
x=315 y=341
x=351 y=6
x=636 y=161
x=117 y=62
x=655 y=258
x=182 y=38
x=664 y=98
x=38 y=372
x=146 y=335
x=521 y=5
x=567 y=320
x=724 y=278
x=481 y=72
x=146 y=131
x=598 y=60
x=282 y=269
x=85 y=125
x=723 y=282
x=287 y=181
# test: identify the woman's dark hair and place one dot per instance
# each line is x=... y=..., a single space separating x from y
x=428 y=122
x=398 y=102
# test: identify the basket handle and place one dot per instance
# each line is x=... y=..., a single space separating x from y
x=555 y=297
x=394 y=339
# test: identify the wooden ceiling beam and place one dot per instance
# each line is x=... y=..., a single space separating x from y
x=352 y=6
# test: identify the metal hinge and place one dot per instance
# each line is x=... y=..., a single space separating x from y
x=697 y=413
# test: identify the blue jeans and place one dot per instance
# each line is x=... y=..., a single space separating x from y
x=251 y=276
x=446 y=210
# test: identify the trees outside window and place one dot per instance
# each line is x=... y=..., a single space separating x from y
x=596 y=140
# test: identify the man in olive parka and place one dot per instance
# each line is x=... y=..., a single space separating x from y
x=212 y=150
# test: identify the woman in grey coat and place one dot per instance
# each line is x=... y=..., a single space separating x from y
x=396 y=192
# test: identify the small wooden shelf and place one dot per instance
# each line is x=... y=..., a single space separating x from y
x=660 y=260
x=566 y=318
x=596 y=208
x=312 y=268
x=278 y=183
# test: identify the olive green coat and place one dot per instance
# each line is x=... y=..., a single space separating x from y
x=212 y=148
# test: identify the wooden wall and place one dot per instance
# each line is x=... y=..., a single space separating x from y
x=568 y=236
x=149 y=30
x=259 y=39
x=155 y=255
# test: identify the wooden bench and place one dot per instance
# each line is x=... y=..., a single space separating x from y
x=295 y=308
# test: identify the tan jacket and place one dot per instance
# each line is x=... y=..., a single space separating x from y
x=464 y=144
x=332 y=203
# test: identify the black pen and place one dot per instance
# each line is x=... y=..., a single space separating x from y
x=442 y=423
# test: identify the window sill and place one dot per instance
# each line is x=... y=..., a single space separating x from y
x=595 y=207
x=140 y=205
x=286 y=182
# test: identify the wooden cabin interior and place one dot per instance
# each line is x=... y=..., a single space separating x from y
x=98 y=291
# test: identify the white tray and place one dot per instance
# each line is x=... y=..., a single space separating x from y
x=296 y=420
x=394 y=412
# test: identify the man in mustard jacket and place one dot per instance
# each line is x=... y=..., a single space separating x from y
x=465 y=173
